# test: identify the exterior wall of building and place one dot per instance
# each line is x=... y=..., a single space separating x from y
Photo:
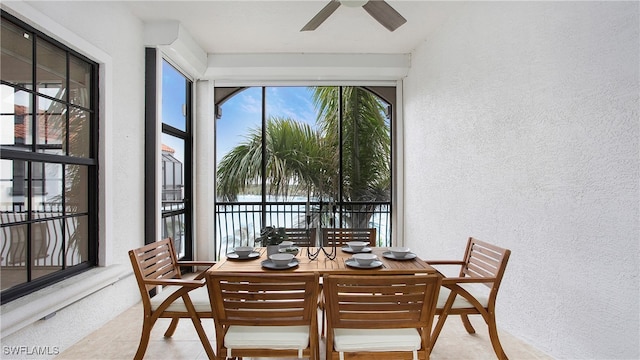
x=521 y=129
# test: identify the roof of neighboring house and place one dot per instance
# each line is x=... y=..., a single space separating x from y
x=168 y=149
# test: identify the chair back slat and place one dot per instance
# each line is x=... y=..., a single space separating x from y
x=339 y=236
x=486 y=261
x=377 y=302
x=478 y=270
x=301 y=237
x=263 y=299
x=154 y=261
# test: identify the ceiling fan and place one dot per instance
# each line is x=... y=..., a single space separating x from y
x=378 y=9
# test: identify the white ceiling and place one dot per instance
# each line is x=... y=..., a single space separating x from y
x=268 y=26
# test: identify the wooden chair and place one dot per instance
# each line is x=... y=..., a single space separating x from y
x=156 y=265
x=265 y=314
x=380 y=316
x=483 y=264
x=340 y=237
x=301 y=237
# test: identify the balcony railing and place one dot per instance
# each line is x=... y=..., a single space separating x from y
x=51 y=247
x=239 y=223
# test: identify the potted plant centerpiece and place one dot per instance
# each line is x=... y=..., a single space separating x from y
x=271 y=237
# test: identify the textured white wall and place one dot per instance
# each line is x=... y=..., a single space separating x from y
x=521 y=128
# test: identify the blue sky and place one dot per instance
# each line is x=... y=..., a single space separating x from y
x=239 y=114
x=173 y=100
x=244 y=111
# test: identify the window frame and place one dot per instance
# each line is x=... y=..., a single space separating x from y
x=154 y=171
x=33 y=156
x=389 y=92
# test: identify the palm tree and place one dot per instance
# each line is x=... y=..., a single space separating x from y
x=293 y=154
x=366 y=147
x=299 y=158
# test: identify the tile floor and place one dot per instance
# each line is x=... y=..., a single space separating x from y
x=119 y=338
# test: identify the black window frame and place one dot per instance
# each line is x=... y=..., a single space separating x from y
x=34 y=156
x=386 y=93
x=152 y=55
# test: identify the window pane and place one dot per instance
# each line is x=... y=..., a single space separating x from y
x=17 y=58
x=172 y=160
x=51 y=126
x=14 y=251
x=240 y=127
x=79 y=81
x=77 y=189
x=16 y=128
x=77 y=239
x=13 y=180
x=173 y=227
x=79 y=133
x=168 y=179
x=366 y=155
x=46 y=248
x=51 y=70
x=47 y=186
x=174 y=97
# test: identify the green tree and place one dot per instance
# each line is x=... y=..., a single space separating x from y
x=366 y=148
x=299 y=158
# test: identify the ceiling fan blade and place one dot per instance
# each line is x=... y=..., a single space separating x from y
x=385 y=14
x=322 y=15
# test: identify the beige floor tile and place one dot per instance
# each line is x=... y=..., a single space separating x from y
x=119 y=339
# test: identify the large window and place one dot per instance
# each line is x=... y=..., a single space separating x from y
x=301 y=157
x=176 y=158
x=168 y=133
x=48 y=161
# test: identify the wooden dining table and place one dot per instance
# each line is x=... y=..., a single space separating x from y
x=324 y=264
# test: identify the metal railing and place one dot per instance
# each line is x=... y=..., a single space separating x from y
x=50 y=234
x=239 y=223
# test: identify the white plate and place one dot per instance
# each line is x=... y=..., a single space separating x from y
x=234 y=256
x=271 y=265
x=353 y=263
x=389 y=255
x=349 y=250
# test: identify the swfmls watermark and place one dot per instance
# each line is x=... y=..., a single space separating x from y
x=30 y=350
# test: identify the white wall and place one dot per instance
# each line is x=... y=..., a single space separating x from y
x=521 y=129
x=110 y=31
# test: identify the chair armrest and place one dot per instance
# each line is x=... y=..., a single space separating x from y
x=445 y=262
x=200 y=274
x=196 y=263
x=466 y=280
x=176 y=282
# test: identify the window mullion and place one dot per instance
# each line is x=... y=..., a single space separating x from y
x=264 y=157
x=339 y=200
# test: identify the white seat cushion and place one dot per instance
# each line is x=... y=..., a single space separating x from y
x=199 y=297
x=267 y=337
x=353 y=340
x=479 y=291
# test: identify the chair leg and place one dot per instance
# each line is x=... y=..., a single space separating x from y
x=322 y=325
x=147 y=325
x=467 y=324
x=436 y=330
x=203 y=337
x=495 y=341
x=172 y=327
